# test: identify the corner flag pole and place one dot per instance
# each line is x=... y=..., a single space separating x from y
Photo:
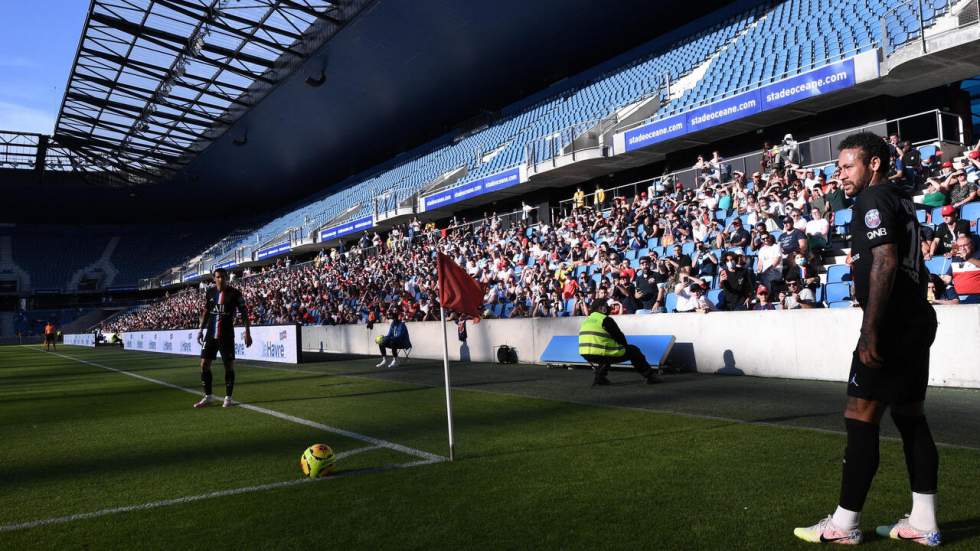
x=449 y=395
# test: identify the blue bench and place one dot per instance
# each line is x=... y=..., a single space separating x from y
x=563 y=349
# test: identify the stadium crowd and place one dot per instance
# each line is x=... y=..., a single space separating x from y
x=732 y=241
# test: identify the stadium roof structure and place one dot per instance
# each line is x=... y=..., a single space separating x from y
x=154 y=82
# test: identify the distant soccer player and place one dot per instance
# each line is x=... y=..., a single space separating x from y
x=890 y=367
x=50 y=337
x=217 y=334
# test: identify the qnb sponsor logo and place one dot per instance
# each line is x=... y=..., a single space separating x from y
x=239 y=349
x=168 y=347
x=653 y=134
x=153 y=345
x=811 y=87
x=880 y=232
x=273 y=350
x=185 y=347
x=726 y=112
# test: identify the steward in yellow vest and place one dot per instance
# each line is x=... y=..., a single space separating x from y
x=602 y=343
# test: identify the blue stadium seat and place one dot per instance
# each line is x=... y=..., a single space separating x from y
x=838 y=291
x=840 y=304
x=714 y=296
x=670 y=302
x=842 y=221
x=939 y=265
x=838 y=273
x=970 y=211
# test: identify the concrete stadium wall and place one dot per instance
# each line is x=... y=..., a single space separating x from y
x=800 y=344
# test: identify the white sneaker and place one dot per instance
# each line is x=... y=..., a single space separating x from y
x=205 y=402
x=394 y=362
x=382 y=363
x=902 y=530
x=228 y=402
x=826 y=531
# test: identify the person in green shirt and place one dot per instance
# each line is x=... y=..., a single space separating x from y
x=835 y=197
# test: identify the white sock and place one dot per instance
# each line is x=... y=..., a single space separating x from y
x=923 y=514
x=846 y=519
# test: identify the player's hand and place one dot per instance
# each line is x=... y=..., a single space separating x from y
x=248 y=339
x=200 y=338
x=868 y=350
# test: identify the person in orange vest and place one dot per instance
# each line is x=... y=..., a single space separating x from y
x=49 y=337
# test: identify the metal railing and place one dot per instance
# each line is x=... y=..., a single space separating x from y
x=927 y=127
x=924 y=15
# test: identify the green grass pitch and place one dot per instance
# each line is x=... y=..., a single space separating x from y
x=94 y=459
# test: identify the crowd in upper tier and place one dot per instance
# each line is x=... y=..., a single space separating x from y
x=730 y=241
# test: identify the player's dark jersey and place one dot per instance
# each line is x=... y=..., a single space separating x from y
x=220 y=308
x=885 y=214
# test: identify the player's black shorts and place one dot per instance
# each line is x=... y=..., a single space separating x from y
x=904 y=374
x=48 y=337
x=223 y=345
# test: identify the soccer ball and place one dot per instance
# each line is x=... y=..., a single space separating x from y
x=378 y=339
x=318 y=460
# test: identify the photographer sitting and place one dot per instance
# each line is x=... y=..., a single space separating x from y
x=396 y=339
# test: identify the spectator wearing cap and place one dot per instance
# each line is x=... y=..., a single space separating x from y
x=946 y=233
x=961 y=191
x=792 y=240
x=762 y=299
x=973 y=158
x=734 y=236
x=819 y=201
x=736 y=284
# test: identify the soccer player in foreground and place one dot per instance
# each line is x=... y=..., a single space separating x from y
x=890 y=367
x=221 y=302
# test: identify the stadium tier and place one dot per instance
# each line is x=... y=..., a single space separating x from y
x=93 y=258
x=759 y=46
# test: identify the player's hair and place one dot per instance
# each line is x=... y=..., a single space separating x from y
x=871 y=145
x=600 y=305
x=222 y=271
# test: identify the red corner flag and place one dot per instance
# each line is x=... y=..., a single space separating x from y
x=457 y=290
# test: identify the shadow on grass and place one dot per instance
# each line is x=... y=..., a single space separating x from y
x=579 y=443
x=960 y=530
x=415 y=388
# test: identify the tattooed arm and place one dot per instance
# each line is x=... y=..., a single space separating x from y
x=884 y=263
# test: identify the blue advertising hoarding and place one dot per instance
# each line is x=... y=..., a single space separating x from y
x=230 y=263
x=828 y=78
x=187 y=276
x=498 y=181
x=658 y=131
x=273 y=251
x=348 y=227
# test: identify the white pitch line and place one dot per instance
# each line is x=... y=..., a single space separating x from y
x=277 y=414
x=211 y=495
